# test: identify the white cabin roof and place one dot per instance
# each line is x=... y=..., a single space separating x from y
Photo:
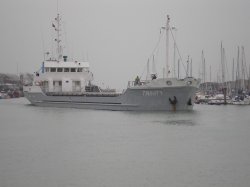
x=67 y=64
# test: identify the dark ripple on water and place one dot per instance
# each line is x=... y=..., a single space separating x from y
x=177 y=122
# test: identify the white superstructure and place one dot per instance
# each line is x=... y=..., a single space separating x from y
x=64 y=76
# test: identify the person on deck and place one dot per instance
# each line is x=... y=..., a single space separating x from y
x=137 y=80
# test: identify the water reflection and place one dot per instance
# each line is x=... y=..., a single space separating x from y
x=177 y=122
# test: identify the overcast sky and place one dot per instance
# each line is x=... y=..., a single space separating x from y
x=118 y=36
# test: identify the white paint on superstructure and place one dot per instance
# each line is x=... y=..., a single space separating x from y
x=64 y=76
x=67 y=64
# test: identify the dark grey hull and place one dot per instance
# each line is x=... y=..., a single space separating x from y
x=141 y=99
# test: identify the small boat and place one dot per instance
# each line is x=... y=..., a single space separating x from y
x=241 y=100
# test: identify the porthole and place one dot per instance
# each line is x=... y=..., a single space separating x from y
x=189 y=82
x=169 y=83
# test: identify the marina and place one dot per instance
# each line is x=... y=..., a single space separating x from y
x=229 y=90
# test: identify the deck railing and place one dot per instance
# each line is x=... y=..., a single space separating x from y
x=134 y=83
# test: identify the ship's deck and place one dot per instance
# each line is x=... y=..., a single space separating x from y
x=86 y=94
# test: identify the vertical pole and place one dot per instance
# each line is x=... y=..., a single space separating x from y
x=205 y=75
x=249 y=81
x=187 y=67
x=224 y=88
x=147 y=78
x=167 y=45
x=153 y=66
x=203 y=66
x=243 y=68
x=211 y=90
x=175 y=46
x=58 y=37
x=204 y=70
x=174 y=59
x=17 y=71
x=233 y=71
x=58 y=40
x=210 y=75
x=222 y=64
x=43 y=67
x=191 y=64
x=178 y=68
x=237 y=78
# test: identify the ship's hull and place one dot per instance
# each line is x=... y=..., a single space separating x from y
x=133 y=99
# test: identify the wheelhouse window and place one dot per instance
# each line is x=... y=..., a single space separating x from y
x=73 y=70
x=59 y=69
x=66 y=69
x=79 y=69
x=52 y=69
x=46 y=69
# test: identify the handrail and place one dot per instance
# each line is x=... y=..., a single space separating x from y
x=140 y=83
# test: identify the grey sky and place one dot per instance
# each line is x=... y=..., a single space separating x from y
x=119 y=35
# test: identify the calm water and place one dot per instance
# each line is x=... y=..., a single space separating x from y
x=74 y=147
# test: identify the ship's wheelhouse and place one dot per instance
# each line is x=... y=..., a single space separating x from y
x=64 y=76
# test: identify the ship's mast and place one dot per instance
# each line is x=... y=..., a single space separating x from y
x=58 y=34
x=148 y=75
x=167 y=45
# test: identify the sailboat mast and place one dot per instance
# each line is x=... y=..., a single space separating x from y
x=187 y=73
x=210 y=74
x=233 y=71
x=224 y=88
x=237 y=79
x=203 y=67
x=222 y=64
x=243 y=68
x=167 y=45
x=191 y=64
x=204 y=61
